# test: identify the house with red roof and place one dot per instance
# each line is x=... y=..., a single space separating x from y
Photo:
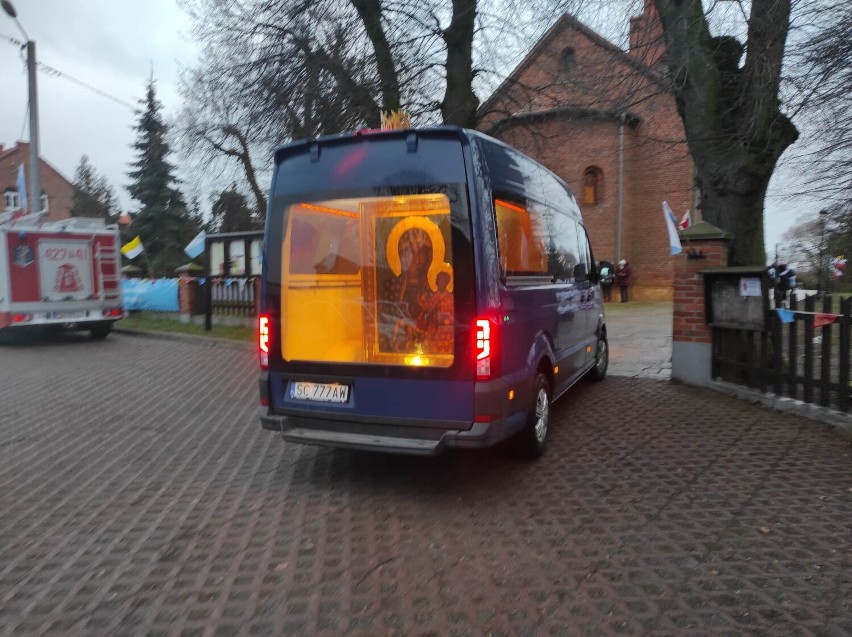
x=57 y=192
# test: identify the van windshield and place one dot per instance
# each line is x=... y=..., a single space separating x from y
x=369 y=280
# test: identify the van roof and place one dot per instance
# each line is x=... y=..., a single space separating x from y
x=465 y=134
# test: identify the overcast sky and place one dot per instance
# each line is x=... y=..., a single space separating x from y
x=114 y=46
x=110 y=45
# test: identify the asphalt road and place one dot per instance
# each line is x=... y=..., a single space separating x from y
x=138 y=495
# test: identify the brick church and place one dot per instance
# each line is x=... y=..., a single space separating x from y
x=601 y=118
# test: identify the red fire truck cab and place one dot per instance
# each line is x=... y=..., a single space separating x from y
x=64 y=274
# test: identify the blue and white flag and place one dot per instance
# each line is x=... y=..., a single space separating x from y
x=671 y=223
x=786 y=316
x=196 y=246
x=22 y=189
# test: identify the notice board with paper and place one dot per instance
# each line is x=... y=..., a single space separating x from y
x=737 y=297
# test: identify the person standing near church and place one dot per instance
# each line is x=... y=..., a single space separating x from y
x=622 y=278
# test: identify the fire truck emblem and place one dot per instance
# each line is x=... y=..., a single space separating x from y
x=23 y=256
x=67 y=279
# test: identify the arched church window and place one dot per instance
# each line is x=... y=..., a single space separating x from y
x=592 y=186
x=568 y=61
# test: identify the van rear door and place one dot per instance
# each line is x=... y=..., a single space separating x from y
x=369 y=281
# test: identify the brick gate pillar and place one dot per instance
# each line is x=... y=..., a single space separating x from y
x=186 y=297
x=704 y=246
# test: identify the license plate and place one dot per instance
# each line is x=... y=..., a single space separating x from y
x=68 y=316
x=319 y=392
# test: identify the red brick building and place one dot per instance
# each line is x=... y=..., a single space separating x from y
x=57 y=191
x=602 y=119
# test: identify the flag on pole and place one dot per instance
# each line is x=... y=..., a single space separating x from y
x=196 y=246
x=671 y=222
x=786 y=316
x=22 y=189
x=685 y=221
x=824 y=319
x=132 y=248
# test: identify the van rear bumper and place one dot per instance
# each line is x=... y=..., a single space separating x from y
x=422 y=441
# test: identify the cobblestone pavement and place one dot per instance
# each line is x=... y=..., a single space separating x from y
x=138 y=495
x=640 y=339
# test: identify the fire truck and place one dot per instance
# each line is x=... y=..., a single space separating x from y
x=62 y=274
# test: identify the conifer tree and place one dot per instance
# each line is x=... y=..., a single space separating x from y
x=162 y=221
x=93 y=196
x=231 y=213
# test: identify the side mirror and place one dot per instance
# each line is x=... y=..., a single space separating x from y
x=581 y=273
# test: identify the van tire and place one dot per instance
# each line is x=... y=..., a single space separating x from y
x=531 y=441
x=598 y=371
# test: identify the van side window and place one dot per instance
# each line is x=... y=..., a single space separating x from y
x=585 y=270
x=564 y=248
x=521 y=237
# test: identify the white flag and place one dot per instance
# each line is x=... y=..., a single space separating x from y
x=671 y=220
x=22 y=189
x=196 y=246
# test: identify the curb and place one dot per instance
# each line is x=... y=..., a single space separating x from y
x=186 y=338
x=840 y=422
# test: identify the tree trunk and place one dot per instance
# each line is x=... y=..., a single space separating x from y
x=359 y=94
x=460 y=102
x=370 y=12
x=242 y=155
x=734 y=127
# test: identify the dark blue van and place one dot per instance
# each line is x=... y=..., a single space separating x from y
x=422 y=289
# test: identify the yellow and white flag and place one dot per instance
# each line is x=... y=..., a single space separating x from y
x=132 y=248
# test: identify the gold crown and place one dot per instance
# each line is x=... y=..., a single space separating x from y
x=395 y=120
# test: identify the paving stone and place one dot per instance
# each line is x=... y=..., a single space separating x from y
x=139 y=496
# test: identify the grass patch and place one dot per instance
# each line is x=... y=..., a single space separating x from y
x=156 y=322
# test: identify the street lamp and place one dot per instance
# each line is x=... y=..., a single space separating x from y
x=35 y=181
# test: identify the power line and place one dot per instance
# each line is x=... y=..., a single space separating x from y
x=53 y=72
x=15 y=41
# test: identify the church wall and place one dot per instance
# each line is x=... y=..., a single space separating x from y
x=657 y=165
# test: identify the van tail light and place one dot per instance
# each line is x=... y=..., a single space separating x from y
x=263 y=340
x=22 y=318
x=486 y=348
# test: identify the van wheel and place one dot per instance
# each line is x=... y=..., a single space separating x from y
x=531 y=441
x=598 y=372
x=100 y=332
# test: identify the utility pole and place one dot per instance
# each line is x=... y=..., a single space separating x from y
x=35 y=174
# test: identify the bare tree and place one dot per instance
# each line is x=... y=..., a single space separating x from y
x=826 y=64
x=813 y=242
x=731 y=111
x=277 y=70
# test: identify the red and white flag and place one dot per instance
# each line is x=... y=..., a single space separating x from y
x=685 y=221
